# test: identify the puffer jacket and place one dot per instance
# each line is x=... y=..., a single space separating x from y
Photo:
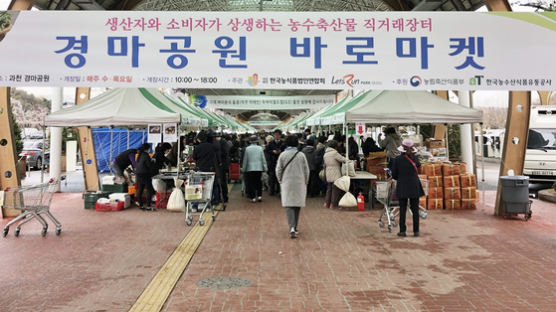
x=333 y=164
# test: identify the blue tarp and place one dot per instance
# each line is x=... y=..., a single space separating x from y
x=123 y=139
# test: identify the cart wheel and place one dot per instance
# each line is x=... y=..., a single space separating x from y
x=188 y=222
x=6 y=230
x=213 y=218
x=58 y=231
x=394 y=223
x=16 y=232
x=390 y=228
x=43 y=233
x=528 y=216
x=380 y=224
x=201 y=222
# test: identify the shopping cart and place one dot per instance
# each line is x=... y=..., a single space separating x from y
x=391 y=205
x=198 y=193
x=33 y=201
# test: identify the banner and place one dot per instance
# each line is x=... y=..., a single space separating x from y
x=154 y=135
x=241 y=102
x=279 y=50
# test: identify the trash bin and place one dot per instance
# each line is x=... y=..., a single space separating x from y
x=515 y=195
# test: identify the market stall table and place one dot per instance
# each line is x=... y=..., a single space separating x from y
x=364 y=175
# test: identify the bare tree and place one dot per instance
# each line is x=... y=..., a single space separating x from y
x=544 y=5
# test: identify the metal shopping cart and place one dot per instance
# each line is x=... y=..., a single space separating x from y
x=33 y=201
x=385 y=194
x=198 y=194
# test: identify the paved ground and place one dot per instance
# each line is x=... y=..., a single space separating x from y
x=465 y=261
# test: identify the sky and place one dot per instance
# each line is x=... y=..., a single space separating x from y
x=480 y=98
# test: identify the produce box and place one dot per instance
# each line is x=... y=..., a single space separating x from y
x=378 y=171
x=468 y=180
x=469 y=193
x=423 y=201
x=452 y=193
x=435 y=203
x=451 y=181
x=435 y=143
x=115 y=188
x=462 y=167
x=452 y=204
x=377 y=162
x=122 y=197
x=449 y=169
x=435 y=181
x=375 y=155
x=432 y=169
x=439 y=152
x=90 y=198
x=468 y=204
x=435 y=192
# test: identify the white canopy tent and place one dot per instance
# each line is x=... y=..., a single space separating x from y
x=117 y=107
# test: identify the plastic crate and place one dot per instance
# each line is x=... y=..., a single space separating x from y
x=113 y=206
x=90 y=198
x=115 y=188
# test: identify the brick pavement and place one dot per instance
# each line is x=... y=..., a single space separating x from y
x=465 y=261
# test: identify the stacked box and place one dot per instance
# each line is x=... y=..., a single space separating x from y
x=115 y=188
x=468 y=204
x=452 y=204
x=435 y=181
x=435 y=192
x=468 y=180
x=90 y=198
x=451 y=181
x=469 y=193
x=423 y=201
x=435 y=203
x=432 y=169
x=452 y=193
x=451 y=169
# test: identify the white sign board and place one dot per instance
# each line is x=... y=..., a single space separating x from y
x=239 y=102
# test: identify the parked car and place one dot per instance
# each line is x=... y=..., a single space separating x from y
x=32 y=149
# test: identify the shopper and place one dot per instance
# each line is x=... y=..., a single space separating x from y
x=353 y=149
x=405 y=171
x=332 y=166
x=173 y=155
x=390 y=142
x=122 y=161
x=309 y=151
x=159 y=157
x=254 y=163
x=204 y=156
x=273 y=149
x=369 y=146
x=144 y=174
x=292 y=173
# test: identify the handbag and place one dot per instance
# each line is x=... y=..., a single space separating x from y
x=322 y=175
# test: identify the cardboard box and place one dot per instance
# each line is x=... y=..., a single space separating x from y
x=468 y=180
x=377 y=162
x=435 y=192
x=469 y=193
x=435 y=181
x=438 y=152
x=451 y=181
x=435 y=203
x=452 y=204
x=435 y=143
x=432 y=169
x=378 y=171
x=452 y=193
x=468 y=204
x=449 y=169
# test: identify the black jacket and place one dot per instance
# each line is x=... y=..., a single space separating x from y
x=408 y=183
x=123 y=159
x=159 y=161
x=144 y=165
x=272 y=157
x=204 y=155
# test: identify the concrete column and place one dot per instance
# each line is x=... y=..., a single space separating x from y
x=466 y=138
x=56 y=137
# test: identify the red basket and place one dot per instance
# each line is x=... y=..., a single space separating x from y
x=116 y=206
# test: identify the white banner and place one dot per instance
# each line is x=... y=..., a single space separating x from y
x=240 y=102
x=280 y=50
x=154 y=134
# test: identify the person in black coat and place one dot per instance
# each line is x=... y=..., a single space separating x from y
x=144 y=174
x=159 y=157
x=273 y=149
x=404 y=170
x=204 y=155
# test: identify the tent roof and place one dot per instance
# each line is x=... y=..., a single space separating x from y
x=409 y=107
x=161 y=101
x=117 y=107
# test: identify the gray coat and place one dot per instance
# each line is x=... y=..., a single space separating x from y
x=293 y=181
x=253 y=159
x=390 y=144
x=333 y=164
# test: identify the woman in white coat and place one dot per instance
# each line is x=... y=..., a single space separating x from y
x=292 y=172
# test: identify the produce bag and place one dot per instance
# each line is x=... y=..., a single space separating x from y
x=176 y=202
x=348 y=200
x=343 y=184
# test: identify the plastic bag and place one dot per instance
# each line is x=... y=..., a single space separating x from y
x=176 y=202
x=159 y=185
x=348 y=200
x=343 y=183
x=351 y=168
x=322 y=175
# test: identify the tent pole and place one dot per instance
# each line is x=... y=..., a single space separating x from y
x=179 y=151
x=482 y=163
x=110 y=160
x=447 y=143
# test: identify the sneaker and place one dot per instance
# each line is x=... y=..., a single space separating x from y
x=416 y=234
x=254 y=200
x=293 y=233
x=137 y=204
x=260 y=199
x=296 y=233
x=402 y=234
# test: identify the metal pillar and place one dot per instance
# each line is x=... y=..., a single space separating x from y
x=466 y=139
x=86 y=146
x=56 y=137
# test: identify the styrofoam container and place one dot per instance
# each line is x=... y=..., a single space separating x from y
x=122 y=197
x=108 y=180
